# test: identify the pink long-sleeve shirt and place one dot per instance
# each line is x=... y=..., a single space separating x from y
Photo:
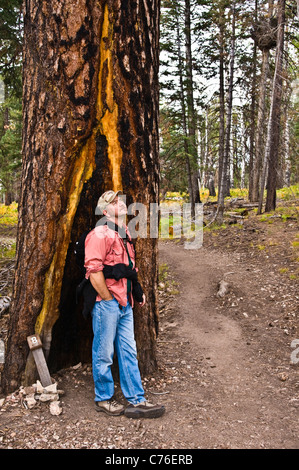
x=105 y=246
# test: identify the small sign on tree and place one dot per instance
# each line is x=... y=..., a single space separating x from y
x=35 y=346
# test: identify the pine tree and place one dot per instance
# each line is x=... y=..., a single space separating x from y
x=90 y=123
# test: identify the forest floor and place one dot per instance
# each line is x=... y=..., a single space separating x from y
x=228 y=366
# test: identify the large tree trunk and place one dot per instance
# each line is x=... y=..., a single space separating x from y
x=90 y=106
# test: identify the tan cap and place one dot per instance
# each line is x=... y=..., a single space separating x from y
x=106 y=199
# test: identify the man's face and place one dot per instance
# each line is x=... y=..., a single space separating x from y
x=116 y=208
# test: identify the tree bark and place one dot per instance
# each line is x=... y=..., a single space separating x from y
x=223 y=186
x=6 y=179
x=287 y=173
x=90 y=104
x=243 y=158
x=286 y=160
x=252 y=113
x=205 y=151
x=183 y=111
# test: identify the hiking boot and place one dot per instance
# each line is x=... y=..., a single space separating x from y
x=144 y=410
x=110 y=407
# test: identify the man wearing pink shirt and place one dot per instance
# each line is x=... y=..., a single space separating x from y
x=108 y=245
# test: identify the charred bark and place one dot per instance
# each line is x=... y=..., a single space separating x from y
x=90 y=104
x=191 y=114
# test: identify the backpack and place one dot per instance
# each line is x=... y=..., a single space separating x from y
x=80 y=244
x=85 y=287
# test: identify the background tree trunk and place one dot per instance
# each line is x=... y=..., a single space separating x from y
x=90 y=104
x=220 y=207
x=183 y=108
x=6 y=181
x=192 y=121
x=274 y=137
x=223 y=188
x=227 y=141
x=287 y=173
x=252 y=114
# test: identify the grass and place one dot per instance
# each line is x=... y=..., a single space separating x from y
x=285 y=213
x=164 y=283
x=261 y=247
x=163 y=272
x=214 y=226
x=7 y=251
x=289 y=193
x=285 y=194
x=283 y=270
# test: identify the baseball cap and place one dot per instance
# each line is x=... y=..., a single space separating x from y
x=106 y=199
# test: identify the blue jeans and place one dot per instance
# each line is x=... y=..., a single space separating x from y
x=113 y=327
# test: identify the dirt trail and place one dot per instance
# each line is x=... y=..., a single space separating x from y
x=246 y=404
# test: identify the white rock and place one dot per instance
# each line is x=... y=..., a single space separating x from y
x=48 y=397
x=55 y=408
x=39 y=387
x=51 y=388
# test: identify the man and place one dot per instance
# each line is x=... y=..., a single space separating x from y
x=112 y=314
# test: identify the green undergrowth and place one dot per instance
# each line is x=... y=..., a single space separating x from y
x=9 y=214
x=165 y=283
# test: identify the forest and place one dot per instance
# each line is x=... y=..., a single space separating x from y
x=228 y=89
x=225 y=74
x=180 y=102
